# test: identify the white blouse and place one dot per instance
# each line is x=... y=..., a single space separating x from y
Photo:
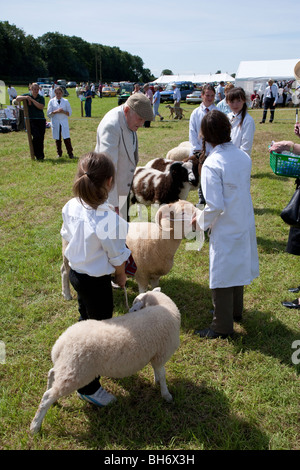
x=242 y=136
x=96 y=238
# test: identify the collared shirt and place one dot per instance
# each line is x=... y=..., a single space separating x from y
x=176 y=95
x=274 y=89
x=96 y=238
x=224 y=106
x=194 y=128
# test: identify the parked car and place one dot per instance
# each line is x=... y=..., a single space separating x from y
x=126 y=88
x=71 y=85
x=194 y=97
x=185 y=89
x=109 y=91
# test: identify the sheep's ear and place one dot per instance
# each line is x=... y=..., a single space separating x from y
x=137 y=306
x=156 y=289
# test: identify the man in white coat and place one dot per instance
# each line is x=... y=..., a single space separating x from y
x=59 y=110
x=117 y=137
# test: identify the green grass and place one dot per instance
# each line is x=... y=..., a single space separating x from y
x=241 y=393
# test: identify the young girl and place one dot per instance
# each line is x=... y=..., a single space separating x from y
x=229 y=216
x=96 y=248
x=242 y=123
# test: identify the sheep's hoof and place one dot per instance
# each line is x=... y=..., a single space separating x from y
x=67 y=296
x=168 y=397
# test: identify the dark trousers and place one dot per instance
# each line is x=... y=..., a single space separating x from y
x=269 y=103
x=68 y=145
x=38 y=128
x=95 y=302
x=228 y=305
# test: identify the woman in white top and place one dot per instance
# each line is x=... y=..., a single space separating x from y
x=242 y=124
x=59 y=110
x=96 y=248
x=229 y=217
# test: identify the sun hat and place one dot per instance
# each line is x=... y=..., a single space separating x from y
x=297 y=71
x=141 y=105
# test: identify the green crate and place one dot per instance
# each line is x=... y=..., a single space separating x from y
x=285 y=165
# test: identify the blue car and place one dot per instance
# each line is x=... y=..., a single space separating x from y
x=185 y=89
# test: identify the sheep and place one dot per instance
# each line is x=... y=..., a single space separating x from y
x=154 y=244
x=150 y=186
x=190 y=163
x=116 y=348
x=180 y=152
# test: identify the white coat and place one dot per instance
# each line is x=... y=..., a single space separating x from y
x=225 y=180
x=242 y=136
x=59 y=119
x=121 y=144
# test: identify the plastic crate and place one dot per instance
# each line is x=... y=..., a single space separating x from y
x=285 y=165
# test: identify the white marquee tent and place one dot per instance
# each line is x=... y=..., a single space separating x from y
x=194 y=78
x=253 y=75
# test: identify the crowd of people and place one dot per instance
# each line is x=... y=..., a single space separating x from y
x=221 y=133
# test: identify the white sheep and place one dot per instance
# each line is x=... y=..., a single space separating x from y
x=154 y=244
x=116 y=348
x=180 y=152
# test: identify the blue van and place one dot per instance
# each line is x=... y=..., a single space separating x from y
x=185 y=89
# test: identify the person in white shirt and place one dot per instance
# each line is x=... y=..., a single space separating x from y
x=52 y=91
x=12 y=93
x=176 y=99
x=220 y=93
x=229 y=216
x=242 y=124
x=59 y=110
x=270 y=99
x=96 y=249
x=208 y=98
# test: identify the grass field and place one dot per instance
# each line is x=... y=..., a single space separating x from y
x=235 y=394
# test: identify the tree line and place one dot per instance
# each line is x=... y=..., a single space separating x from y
x=24 y=58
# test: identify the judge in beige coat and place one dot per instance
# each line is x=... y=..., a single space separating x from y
x=117 y=137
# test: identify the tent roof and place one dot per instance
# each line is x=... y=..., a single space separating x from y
x=195 y=78
x=264 y=69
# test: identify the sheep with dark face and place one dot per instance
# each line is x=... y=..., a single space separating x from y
x=151 y=186
x=191 y=164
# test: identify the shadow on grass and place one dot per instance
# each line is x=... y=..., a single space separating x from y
x=138 y=423
x=262 y=331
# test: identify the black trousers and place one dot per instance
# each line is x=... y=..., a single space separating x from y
x=38 y=128
x=228 y=305
x=95 y=302
x=269 y=103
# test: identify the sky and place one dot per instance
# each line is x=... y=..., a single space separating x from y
x=195 y=37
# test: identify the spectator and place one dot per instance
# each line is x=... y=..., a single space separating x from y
x=177 y=98
x=220 y=93
x=269 y=100
x=293 y=245
x=149 y=94
x=36 y=104
x=156 y=102
x=88 y=101
x=12 y=93
x=59 y=110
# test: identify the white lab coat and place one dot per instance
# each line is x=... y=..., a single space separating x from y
x=59 y=119
x=242 y=136
x=225 y=180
